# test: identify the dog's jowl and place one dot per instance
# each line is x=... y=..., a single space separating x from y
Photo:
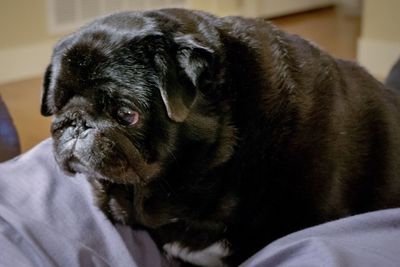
x=219 y=135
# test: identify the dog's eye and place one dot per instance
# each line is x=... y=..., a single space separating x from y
x=127 y=116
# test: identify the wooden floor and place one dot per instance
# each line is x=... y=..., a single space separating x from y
x=331 y=30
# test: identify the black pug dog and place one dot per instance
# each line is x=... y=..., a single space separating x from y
x=219 y=135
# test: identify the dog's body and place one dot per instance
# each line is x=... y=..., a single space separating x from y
x=245 y=133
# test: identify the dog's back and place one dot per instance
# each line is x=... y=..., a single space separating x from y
x=319 y=135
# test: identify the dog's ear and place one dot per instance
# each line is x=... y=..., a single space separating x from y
x=45 y=109
x=194 y=56
x=182 y=75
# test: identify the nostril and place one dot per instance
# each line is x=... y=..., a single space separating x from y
x=79 y=129
x=87 y=125
x=80 y=123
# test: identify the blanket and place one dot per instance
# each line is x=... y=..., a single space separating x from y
x=49 y=219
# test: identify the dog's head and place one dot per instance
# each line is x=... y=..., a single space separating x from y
x=128 y=97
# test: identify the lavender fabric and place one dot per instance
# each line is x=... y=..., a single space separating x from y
x=48 y=219
x=366 y=240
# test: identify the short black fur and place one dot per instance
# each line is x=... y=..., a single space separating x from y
x=246 y=133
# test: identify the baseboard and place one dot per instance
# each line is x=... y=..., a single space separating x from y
x=24 y=62
x=377 y=56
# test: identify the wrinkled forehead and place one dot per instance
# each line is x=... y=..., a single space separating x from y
x=99 y=40
x=112 y=28
x=99 y=58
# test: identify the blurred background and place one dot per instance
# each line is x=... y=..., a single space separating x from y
x=367 y=31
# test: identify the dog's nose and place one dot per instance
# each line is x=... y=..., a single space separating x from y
x=79 y=127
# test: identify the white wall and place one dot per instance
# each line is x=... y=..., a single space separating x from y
x=379 y=45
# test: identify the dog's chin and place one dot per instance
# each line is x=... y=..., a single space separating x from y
x=118 y=171
x=96 y=161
